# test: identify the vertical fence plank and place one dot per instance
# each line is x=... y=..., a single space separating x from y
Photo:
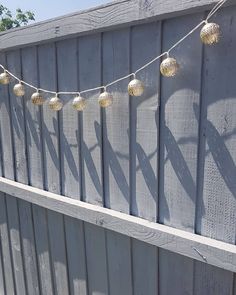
x=76 y=256
x=46 y=77
x=5 y=247
x=116 y=49
x=58 y=252
x=16 y=246
x=178 y=150
x=89 y=77
x=67 y=54
x=21 y=175
x=6 y=158
x=34 y=132
x=67 y=81
x=2 y=286
x=217 y=156
x=144 y=142
x=50 y=130
x=14 y=65
x=2 y=221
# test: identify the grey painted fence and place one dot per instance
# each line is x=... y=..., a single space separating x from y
x=173 y=164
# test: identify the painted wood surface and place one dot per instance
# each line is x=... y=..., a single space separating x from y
x=115 y=14
x=90 y=132
x=178 y=149
x=116 y=170
x=6 y=159
x=201 y=248
x=12 y=210
x=58 y=280
x=144 y=131
x=94 y=184
x=216 y=215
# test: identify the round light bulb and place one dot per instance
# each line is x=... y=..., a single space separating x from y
x=105 y=99
x=135 y=87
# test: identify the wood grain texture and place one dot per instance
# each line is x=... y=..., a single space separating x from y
x=5 y=248
x=2 y=286
x=50 y=128
x=6 y=159
x=50 y=153
x=11 y=203
x=34 y=164
x=69 y=125
x=116 y=173
x=217 y=191
x=55 y=242
x=216 y=253
x=67 y=62
x=91 y=142
x=91 y=131
x=178 y=149
x=16 y=245
x=116 y=14
x=144 y=121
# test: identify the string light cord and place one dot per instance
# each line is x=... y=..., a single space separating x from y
x=215 y=9
x=104 y=87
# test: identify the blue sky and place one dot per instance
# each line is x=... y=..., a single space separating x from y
x=45 y=9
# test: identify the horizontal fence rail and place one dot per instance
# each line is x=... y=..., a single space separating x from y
x=204 y=249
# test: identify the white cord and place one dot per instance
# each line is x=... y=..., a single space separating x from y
x=104 y=87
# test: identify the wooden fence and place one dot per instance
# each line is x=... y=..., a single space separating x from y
x=135 y=199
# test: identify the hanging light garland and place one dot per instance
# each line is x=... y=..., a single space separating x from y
x=210 y=34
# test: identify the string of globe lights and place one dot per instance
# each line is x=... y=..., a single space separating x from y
x=210 y=34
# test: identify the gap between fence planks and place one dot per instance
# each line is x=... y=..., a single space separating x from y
x=204 y=249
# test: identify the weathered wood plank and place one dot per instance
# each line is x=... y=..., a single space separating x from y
x=216 y=252
x=67 y=56
x=58 y=252
x=96 y=260
x=22 y=128
x=6 y=159
x=92 y=190
x=144 y=121
x=115 y=138
x=50 y=128
x=6 y=130
x=16 y=245
x=76 y=255
x=116 y=14
x=5 y=247
x=18 y=122
x=49 y=131
x=42 y=248
x=2 y=285
x=217 y=190
x=178 y=149
x=68 y=124
x=89 y=77
x=14 y=64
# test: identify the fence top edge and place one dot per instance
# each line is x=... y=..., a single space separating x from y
x=114 y=15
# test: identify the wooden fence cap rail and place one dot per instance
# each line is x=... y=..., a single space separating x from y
x=106 y=17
